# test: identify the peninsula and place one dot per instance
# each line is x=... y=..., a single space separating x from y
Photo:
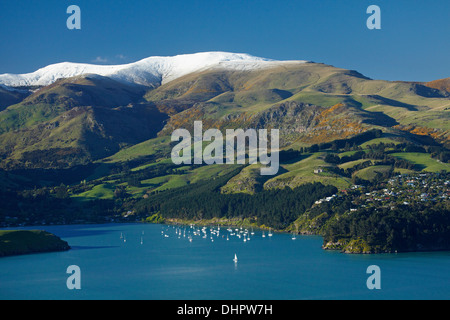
x=17 y=242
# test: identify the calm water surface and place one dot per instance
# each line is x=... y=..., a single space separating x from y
x=137 y=261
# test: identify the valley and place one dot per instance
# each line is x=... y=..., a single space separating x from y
x=94 y=148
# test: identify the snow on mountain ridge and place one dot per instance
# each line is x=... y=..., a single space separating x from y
x=148 y=71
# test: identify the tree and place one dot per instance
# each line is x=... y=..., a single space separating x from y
x=314 y=148
x=133 y=181
x=61 y=192
x=120 y=192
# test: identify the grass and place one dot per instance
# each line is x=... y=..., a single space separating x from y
x=100 y=191
x=351 y=164
x=165 y=182
x=379 y=140
x=423 y=161
x=370 y=173
x=147 y=165
x=302 y=172
x=320 y=99
x=249 y=180
x=348 y=153
x=426 y=112
x=18 y=116
x=106 y=189
x=146 y=148
x=203 y=173
x=210 y=172
x=65 y=134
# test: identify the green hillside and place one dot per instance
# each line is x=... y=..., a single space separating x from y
x=92 y=149
x=79 y=120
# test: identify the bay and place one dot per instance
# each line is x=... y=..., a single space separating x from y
x=158 y=262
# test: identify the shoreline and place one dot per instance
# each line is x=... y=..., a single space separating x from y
x=21 y=242
x=346 y=247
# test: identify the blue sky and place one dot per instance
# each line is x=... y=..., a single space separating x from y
x=413 y=43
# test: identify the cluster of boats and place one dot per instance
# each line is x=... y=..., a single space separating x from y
x=192 y=231
x=212 y=233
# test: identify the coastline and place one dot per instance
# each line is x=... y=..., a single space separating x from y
x=345 y=246
x=20 y=242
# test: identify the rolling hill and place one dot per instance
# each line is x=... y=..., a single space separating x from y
x=68 y=115
x=83 y=143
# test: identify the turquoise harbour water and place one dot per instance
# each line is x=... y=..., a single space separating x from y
x=138 y=261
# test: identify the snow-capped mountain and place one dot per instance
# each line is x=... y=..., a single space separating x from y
x=148 y=71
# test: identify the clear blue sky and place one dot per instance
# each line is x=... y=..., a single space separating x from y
x=413 y=43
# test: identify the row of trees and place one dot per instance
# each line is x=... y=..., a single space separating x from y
x=382 y=156
x=438 y=152
x=277 y=208
x=385 y=225
x=403 y=228
x=52 y=205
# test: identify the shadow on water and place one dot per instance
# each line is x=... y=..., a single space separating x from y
x=91 y=247
x=82 y=232
x=72 y=231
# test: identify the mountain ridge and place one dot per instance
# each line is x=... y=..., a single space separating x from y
x=96 y=148
x=148 y=71
x=80 y=118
